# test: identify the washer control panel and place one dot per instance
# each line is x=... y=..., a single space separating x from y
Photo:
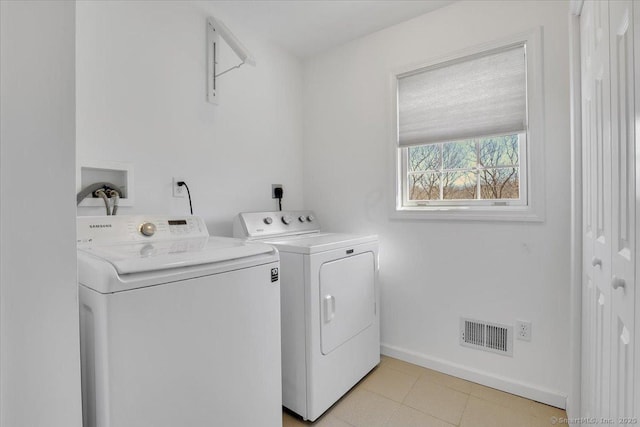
x=135 y=228
x=265 y=224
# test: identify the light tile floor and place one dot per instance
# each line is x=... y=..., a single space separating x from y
x=399 y=394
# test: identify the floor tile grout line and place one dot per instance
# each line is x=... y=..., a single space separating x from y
x=424 y=374
x=394 y=412
x=523 y=413
x=505 y=405
x=435 y=416
x=467 y=395
x=431 y=415
x=387 y=397
x=466 y=405
x=470 y=393
x=403 y=372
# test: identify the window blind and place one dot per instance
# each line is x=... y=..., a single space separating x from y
x=481 y=95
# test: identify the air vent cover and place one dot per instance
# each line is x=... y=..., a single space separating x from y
x=486 y=336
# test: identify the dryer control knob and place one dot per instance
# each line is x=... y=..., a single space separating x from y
x=310 y=218
x=148 y=229
x=268 y=220
x=302 y=218
x=287 y=219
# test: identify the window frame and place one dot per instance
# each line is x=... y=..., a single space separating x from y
x=532 y=181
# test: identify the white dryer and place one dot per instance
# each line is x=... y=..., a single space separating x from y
x=177 y=328
x=329 y=306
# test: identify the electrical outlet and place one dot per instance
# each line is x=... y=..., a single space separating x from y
x=523 y=330
x=273 y=190
x=178 y=191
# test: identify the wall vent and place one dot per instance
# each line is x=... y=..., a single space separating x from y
x=486 y=336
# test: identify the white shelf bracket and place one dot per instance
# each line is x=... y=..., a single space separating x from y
x=215 y=30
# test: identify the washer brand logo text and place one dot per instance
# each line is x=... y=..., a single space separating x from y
x=99 y=225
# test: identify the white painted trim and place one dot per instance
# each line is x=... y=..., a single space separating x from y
x=508 y=213
x=574 y=408
x=529 y=391
x=636 y=66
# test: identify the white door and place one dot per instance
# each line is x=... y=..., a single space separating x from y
x=596 y=122
x=347 y=299
x=623 y=191
x=609 y=71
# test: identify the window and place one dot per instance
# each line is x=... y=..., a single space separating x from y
x=484 y=171
x=467 y=135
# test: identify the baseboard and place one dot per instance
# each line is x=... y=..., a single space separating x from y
x=528 y=391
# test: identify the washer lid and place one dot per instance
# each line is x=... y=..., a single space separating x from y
x=129 y=258
x=318 y=242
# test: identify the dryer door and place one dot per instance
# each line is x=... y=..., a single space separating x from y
x=347 y=299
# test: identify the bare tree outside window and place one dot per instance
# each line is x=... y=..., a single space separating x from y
x=475 y=169
x=426 y=185
x=498 y=158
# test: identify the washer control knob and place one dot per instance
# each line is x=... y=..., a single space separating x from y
x=310 y=218
x=302 y=218
x=287 y=219
x=268 y=220
x=148 y=229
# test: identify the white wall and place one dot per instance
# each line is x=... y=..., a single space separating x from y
x=39 y=350
x=141 y=98
x=434 y=272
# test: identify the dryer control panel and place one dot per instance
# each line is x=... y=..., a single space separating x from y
x=93 y=230
x=274 y=223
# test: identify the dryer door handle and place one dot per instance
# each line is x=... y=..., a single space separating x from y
x=329 y=308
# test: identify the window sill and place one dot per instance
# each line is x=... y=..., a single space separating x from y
x=454 y=213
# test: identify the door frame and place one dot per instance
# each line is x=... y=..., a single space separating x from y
x=575 y=310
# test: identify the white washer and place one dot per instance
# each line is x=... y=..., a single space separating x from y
x=329 y=306
x=177 y=328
